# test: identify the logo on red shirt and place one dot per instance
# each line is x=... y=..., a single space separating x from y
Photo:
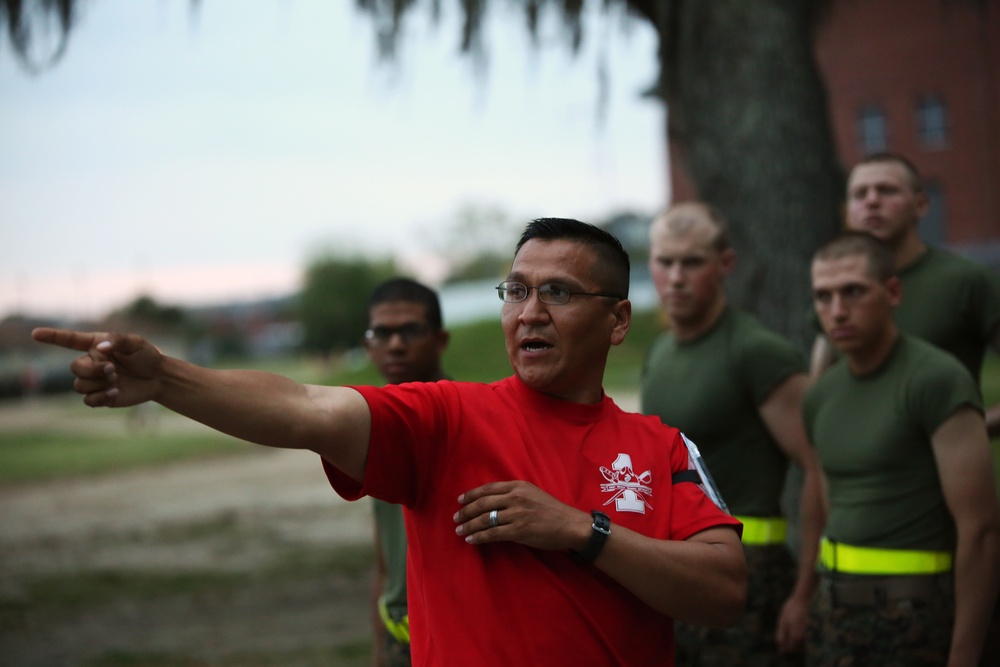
x=630 y=489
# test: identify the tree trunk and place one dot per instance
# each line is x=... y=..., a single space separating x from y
x=748 y=116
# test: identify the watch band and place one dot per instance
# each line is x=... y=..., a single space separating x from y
x=599 y=532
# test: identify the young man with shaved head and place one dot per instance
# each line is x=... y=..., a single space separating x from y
x=735 y=388
x=948 y=300
x=910 y=556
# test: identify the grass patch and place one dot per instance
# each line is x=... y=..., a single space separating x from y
x=76 y=446
x=83 y=589
x=351 y=561
x=43 y=454
x=355 y=653
x=625 y=361
x=90 y=588
x=130 y=659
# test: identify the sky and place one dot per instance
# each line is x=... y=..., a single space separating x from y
x=201 y=156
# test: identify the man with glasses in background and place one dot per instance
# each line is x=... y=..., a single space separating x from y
x=545 y=524
x=405 y=340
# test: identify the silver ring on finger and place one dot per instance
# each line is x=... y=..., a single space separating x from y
x=494 y=518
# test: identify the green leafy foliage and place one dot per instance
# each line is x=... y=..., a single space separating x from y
x=331 y=305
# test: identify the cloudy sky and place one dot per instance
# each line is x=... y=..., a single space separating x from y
x=206 y=155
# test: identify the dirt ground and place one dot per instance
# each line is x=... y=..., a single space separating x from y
x=245 y=560
x=235 y=561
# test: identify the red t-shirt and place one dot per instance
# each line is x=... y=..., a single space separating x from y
x=505 y=603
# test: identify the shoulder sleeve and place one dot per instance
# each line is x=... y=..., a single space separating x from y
x=766 y=360
x=941 y=385
x=692 y=509
x=409 y=425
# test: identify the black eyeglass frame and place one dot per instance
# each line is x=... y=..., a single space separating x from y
x=409 y=333
x=545 y=293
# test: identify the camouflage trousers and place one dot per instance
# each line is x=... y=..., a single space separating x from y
x=751 y=642
x=394 y=652
x=890 y=632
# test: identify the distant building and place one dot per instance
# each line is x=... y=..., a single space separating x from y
x=922 y=78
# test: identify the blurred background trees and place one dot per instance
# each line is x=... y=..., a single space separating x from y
x=331 y=305
x=748 y=121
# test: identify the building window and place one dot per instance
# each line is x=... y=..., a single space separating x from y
x=872 y=129
x=932 y=121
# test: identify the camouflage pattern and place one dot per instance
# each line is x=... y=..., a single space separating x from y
x=991 y=649
x=893 y=633
x=751 y=642
x=394 y=652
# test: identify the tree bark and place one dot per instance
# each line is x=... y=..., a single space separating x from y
x=748 y=116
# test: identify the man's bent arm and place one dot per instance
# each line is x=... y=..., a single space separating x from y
x=961 y=450
x=701 y=580
x=781 y=412
x=821 y=357
x=267 y=409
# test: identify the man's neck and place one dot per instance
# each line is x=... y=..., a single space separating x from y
x=690 y=330
x=908 y=251
x=863 y=362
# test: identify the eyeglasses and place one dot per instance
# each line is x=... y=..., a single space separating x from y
x=550 y=293
x=409 y=332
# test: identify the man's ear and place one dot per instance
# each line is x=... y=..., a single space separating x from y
x=923 y=204
x=728 y=259
x=622 y=312
x=443 y=338
x=895 y=289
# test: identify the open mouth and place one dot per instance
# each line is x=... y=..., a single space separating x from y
x=534 y=345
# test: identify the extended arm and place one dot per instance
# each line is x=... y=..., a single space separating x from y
x=782 y=414
x=700 y=580
x=962 y=453
x=267 y=409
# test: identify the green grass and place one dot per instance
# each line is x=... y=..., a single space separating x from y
x=47 y=454
x=83 y=441
x=476 y=353
x=87 y=587
x=350 y=654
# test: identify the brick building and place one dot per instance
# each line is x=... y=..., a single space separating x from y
x=922 y=78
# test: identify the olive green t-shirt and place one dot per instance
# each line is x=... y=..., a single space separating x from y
x=873 y=437
x=392 y=538
x=711 y=389
x=952 y=302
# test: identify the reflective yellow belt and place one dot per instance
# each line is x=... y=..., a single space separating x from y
x=759 y=530
x=400 y=629
x=838 y=557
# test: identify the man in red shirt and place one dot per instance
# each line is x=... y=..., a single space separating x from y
x=545 y=525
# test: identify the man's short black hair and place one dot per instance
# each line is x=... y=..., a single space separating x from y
x=854 y=243
x=883 y=157
x=610 y=254
x=410 y=291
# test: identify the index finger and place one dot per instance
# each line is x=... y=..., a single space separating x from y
x=73 y=340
